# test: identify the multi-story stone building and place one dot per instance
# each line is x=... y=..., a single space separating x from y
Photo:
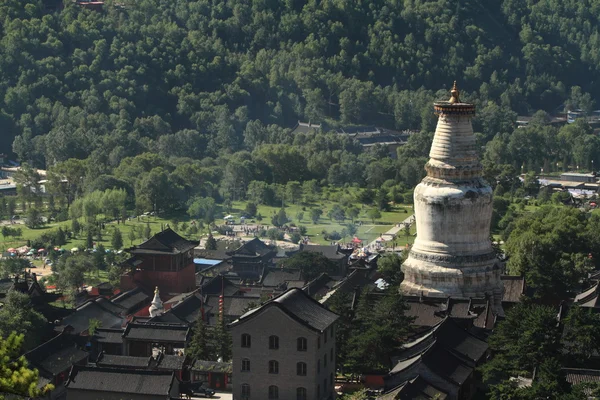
x=452 y=254
x=285 y=349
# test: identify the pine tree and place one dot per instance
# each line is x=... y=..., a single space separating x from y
x=89 y=241
x=222 y=342
x=199 y=347
x=132 y=236
x=117 y=239
x=15 y=377
x=75 y=226
x=60 y=237
x=211 y=243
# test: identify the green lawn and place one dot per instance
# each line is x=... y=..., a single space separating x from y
x=79 y=241
x=367 y=231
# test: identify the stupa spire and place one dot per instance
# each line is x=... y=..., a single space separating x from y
x=156 y=307
x=455 y=94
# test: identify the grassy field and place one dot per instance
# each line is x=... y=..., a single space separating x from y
x=367 y=229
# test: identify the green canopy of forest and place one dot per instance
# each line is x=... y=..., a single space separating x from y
x=187 y=78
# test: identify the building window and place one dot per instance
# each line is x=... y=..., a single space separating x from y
x=301 y=344
x=318 y=343
x=325 y=337
x=331 y=378
x=325 y=360
x=318 y=391
x=325 y=385
x=246 y=340
x=300 y=393
x=273 y=392
x=331 y=331
x=245 y=365
x=318 y=366
x=301 y=369
x=273 y=367
x=273 y=342
x=331 y=355
x=245 y=391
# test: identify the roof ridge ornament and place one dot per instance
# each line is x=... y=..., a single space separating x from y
x=455 y=93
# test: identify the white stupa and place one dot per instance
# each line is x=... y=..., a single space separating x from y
x=157 y=307
x=452 y=254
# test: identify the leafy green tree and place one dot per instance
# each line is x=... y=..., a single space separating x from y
x=551 y=248
x=581 y=334
x=295 y=238
x=389 y=266
x=275 y=234
x=72 y=269
x=374 y=214
x=117 y=239
x=310 y=264
x=17 y=315
x=93 y=326
x=34 y=218
x=377 y=327
x=13 y=266
x=203 y=208
x=251 y=209
x=528 y=337
x=315 y=214
x=337 y=213
x=15 y=376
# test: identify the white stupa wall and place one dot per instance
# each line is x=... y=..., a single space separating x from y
x=452 y=254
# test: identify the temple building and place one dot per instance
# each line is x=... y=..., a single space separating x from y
x=165 y=260
x=452 y=254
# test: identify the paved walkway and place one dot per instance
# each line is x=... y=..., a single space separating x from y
x=388 y=236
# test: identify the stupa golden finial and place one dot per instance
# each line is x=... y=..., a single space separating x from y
x=156 y=290
x=455 y=93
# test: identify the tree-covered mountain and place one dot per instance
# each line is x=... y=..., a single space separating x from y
x=192 y=79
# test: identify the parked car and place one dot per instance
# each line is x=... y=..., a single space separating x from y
x=204 y=391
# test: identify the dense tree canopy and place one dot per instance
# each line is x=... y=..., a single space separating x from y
x=193 y=78
x=551 y=248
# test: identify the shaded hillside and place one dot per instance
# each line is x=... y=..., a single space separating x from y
x=184 y=78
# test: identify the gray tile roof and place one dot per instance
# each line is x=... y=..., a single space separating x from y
x=171 y=362
x=331 y=252
x=157 y=331
x=119 y=381
x=56 y=355
x=299 y=306
x=589 y=298
x=167 y=241
x=103 y=335
x=108 y=360
x=416 y=388
x=131 y=298
x=576 y=375
x=212 y=366
x=80 y=318
x=514 y=288
x=275 y=277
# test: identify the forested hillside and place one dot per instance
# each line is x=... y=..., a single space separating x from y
x=188 y=78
